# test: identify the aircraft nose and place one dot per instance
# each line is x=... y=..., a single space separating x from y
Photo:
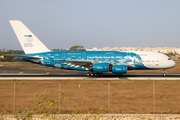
x=172 y=64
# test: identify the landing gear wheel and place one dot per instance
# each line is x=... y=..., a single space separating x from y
x=89 y=74
x=164 y=73
x=94 y=74
x=101 y=74
x=98 y=74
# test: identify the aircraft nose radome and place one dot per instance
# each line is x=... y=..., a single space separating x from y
x=173 y=63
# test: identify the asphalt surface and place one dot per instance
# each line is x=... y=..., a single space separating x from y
x=37 y=71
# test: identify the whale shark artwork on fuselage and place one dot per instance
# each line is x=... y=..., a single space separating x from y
x=95 y=62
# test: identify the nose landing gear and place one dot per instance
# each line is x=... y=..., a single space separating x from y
x=164 y=72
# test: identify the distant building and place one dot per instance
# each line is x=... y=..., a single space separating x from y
x=2 y=56
x=157 y=49
x=177 y=51
x=94 y=49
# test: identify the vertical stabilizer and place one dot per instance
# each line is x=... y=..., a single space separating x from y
x=29 y=42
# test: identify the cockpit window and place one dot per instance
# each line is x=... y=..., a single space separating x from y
x=169 y=58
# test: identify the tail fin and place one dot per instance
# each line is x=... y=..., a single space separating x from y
x=29 y=42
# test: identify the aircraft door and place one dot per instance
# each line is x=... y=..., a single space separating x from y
x=52 y=61
x=63 y=55
x=84 y=55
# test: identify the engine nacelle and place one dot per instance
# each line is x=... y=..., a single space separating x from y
x=119 y=69
x=101 y=67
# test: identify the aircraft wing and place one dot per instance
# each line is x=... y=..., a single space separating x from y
x=89 y=63
x=80 y=63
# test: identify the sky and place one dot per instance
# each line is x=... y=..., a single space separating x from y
x=60 y=24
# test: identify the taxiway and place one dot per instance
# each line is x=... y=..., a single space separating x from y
x=48 y=73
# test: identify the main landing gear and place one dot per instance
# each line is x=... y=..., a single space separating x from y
x=96 y=74
x=164 y=72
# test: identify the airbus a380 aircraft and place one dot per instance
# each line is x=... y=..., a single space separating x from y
x=96 y=62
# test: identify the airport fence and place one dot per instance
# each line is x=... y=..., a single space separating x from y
x=90 y=96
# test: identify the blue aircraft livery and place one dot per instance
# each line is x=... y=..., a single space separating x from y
x=95 y=62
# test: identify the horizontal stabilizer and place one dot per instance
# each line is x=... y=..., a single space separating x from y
x=23 y=57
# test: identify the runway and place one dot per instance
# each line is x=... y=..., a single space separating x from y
x=82 y=76
x=47 y=73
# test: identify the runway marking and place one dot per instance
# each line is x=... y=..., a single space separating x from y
x=47 y=73
x=36 y=69
x=20 y=73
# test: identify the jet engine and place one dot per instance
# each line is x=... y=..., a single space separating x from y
x=101 y=67
x=119 y=69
